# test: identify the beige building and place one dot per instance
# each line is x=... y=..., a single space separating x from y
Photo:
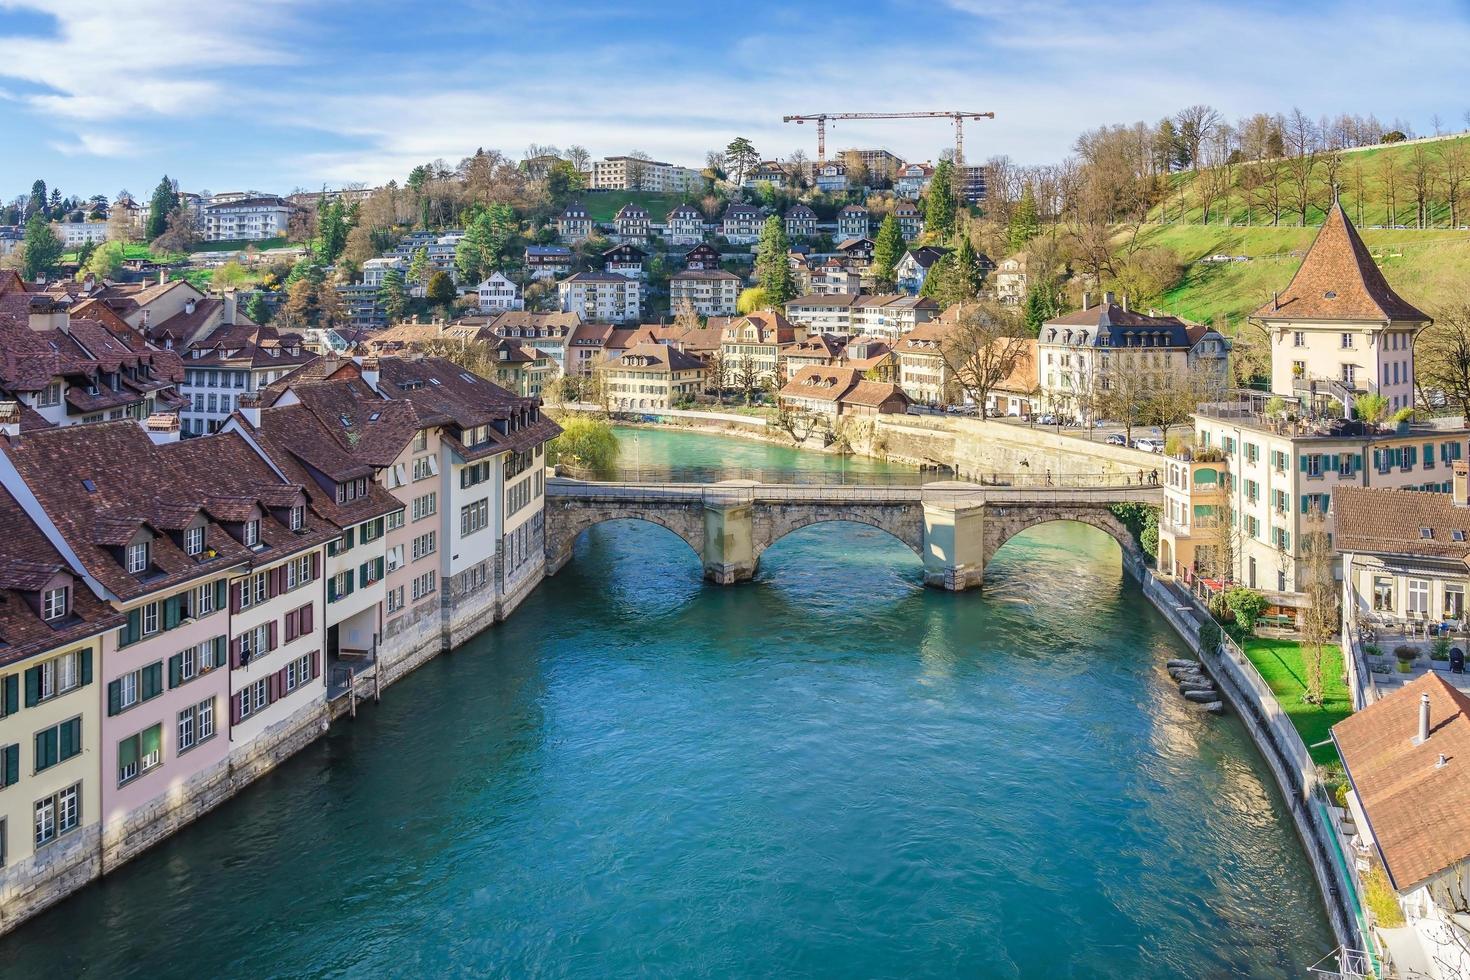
x=759 y=341
x=651 y=375
x=1265 y=465
x=712 y=292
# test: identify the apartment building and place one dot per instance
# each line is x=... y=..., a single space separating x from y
x=233 y=360
x=913 y=180
x=741 y=224
x=548 y=261
x=923 y=372
x=823 y=313
x=374 y=271
x=837 y=392
x=1265 y=465
x=684 y=225
x=759 y=340
x=889 y=316
x=910 y=220
x=853 y=221
x=605 y=297
x=653 y=375
x=574 y=224
x=54 y=631
x=801 y=222
x=625 y=173
x=227 y=218
x=624 y=260
x=631 y=223
x=711 y=292
x=74 y=234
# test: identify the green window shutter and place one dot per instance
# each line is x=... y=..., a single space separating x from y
x=12 y=694
x=151 y=683
x=175 y=668
x=221 y=651
x=33 y=686
x=362 y=574
x=347 y=538
x=114 y=698
x=127 y=753
x=69 y=738
x=332 y=589
x=133 y=629
x=12 y=764
x=171 y=612
x=378 y=563
x=1303 y=459
x=86 y=666
x=221 y=594
x=152 y=740
x=46 y=749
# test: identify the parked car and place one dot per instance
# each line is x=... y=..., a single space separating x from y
x=1149 y=445
x=1116 y=439
x=1047 y=419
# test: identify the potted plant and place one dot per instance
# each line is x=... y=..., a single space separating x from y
x=1406 y=656
x=1439 y=649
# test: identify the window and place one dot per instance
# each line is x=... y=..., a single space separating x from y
x=425 y=506
x=1347 y=340
x=134 y=687
x=395 y=600
x=150 y=619
x=138 y=558
x=57 y=676
x=423 y=545
x=1454 y=601
x=372 y=530
x=423 y=585
x=203 y=601
x=298 y=672
x=1298 y=338
x=425 y=467
x=1349 y=374
x=421 y=441
x=474 y=517
x=58 y=743
x=138 y=754
x=57 y=814
x=251 y=535
x=395 y=520
x=1418 y=595
x=54 y=603
x=49 y=396
x=194 y=540
x=196 y=724
x=298 y=518
x=1382 y=593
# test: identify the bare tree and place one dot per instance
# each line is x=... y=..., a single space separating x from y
x=747 y=377
x=1421 y=177
x=983 y=347
x=1302 y=142
x=1442 y=358
x=1455 y=168
x=1388 y=176
x=638 y=171
x=1196 y=123
x=717 y=375
x=578 y=156
x=797 y=423
x=1319 y=618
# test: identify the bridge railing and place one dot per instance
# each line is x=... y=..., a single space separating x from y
x=842 y=493
x=786 y=476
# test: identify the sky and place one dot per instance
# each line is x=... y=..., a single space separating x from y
x=275 y=95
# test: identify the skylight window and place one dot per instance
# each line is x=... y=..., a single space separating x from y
x=89 y=486
x=1426 y=533
x=1457 y=535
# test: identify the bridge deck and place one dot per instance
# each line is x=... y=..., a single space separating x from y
x=950 y=493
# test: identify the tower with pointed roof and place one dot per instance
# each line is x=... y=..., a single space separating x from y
x=1339 y=321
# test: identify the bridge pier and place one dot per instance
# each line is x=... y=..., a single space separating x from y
x=729 y=542
x=954 y=542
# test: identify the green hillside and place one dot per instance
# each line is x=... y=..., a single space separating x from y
x=1429 y=268
x=1361 y=179
x=603 y=205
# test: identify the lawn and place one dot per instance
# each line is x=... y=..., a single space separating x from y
x=262 y=245
x=603 y=205
x=1280 y=663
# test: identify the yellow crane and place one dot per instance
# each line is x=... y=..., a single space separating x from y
x=820 y=118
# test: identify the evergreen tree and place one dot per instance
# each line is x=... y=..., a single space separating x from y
x=968 y=276
x=773 y=263
x=160 y=207
x=418 y=268
x=393 y=295
x=333 y=222
x=36 y=203
x=937 y=282
x=939 y=208
x=257 y=309
x=1042 y=304
x=441 y=289
x=42 y=249
x=1024 y=223
x=888 y=249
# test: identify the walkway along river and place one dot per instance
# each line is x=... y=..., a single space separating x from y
x=833 y=771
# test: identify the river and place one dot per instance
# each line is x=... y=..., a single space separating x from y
x=830 y=772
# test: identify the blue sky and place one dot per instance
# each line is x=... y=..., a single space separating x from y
x=98 y=95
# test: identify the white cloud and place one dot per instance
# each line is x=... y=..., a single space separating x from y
x=95 y=144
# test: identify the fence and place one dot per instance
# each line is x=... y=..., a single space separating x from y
x=860 y=476
x=1285 y=753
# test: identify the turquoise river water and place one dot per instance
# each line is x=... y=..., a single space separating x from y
x=829 y=772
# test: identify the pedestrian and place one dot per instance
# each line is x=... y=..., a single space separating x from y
x=1154 y=477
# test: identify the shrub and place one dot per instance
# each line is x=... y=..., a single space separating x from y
x=1209 y=637
x=1247 y=604
x=1440 y=648
x=1405 y=652
x=1373 y=649
x=1340 y=796
x=586 y=443
x=1379 y=898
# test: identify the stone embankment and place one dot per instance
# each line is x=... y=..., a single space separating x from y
x=1195 y=685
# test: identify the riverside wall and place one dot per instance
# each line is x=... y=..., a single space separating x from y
x=96 y=850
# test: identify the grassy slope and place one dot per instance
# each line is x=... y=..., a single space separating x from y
x=1374 y=200
x=602 y=205
x=1428 y=268
x=1280 y=663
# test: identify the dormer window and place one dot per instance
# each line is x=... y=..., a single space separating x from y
x=55 y=604
x=298 y=518
x=194 y=540
x=251 y=535
x=138 y=558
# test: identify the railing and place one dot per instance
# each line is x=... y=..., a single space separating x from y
x=786 y=476
x=815 y=493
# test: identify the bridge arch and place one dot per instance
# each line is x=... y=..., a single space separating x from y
x=907 y=528
x=1004 y=523
x=568 y=525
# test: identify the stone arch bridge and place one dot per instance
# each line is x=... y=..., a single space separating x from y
x=954 y=528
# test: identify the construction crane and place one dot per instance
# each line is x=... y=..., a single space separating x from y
x=820 y=118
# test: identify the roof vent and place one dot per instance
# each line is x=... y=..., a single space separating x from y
x=1330 y=294
x=1441 y=762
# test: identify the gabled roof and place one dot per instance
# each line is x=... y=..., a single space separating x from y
x=1392 y=522
x=1418 y=810
x=1338 y=280
x=800 y=212
x=659 y=357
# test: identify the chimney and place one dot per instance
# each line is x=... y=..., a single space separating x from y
x=89 y=284
x=10 y=419
x=232 y=307
x=369 y=368
x=1423 y=720
x=1125 y=302
x=163 y=277
x=1461 y=483
x=162 y=427
x=1108 y=298
x=250 y=408
x=46 y=313
x=1275 y=300
x=189 y=306
x=1086 y=301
